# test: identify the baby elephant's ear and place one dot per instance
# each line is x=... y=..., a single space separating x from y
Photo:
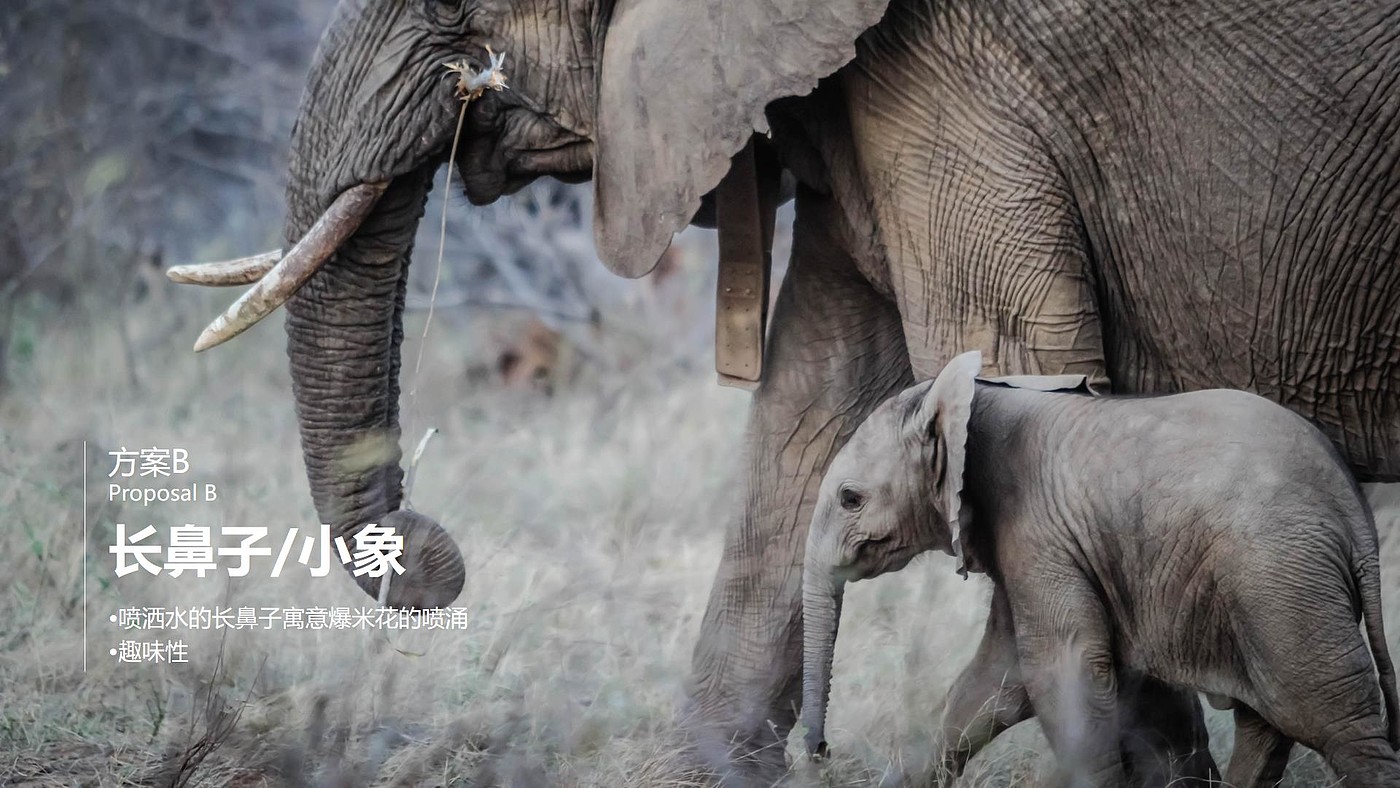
x=942 y=418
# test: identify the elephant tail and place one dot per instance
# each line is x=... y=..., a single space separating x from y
x=1368 y=581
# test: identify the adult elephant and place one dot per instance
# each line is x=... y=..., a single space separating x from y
x=1161 y=196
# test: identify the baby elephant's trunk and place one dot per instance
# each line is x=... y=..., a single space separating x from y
x=821 y=614
x=1368 y=583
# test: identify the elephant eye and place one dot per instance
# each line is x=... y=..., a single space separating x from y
x=851 y=499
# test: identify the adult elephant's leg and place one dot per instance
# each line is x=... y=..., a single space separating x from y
x=986 y=253
x=1057 y=331
x=835 y=350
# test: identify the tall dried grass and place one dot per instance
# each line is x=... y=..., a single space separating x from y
x=592 y=523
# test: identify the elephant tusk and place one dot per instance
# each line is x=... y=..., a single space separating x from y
x=226 y=273
x=280 y=283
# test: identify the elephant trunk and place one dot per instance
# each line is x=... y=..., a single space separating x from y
x=389 y=126
x=344 y=331
x=822 y=592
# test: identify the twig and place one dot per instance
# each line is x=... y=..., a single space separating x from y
x=470 y=86
x=413 y=468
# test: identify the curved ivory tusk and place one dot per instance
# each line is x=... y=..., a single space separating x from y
x=226 y=273
x=313 y=250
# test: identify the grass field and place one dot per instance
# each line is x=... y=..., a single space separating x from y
x=591 y=521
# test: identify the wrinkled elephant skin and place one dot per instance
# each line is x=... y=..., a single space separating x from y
x=1160 y=197
x=1209 y=539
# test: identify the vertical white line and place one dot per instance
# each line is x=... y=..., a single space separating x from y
x=85 y=552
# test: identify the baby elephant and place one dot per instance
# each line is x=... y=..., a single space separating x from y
x=1210 y=540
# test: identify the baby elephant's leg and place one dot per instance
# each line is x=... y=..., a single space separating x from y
x=1067 y=662
x=1261 y=751
x=987 y=698
x=1314 y=680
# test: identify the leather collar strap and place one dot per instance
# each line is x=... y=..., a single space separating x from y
x=744 y=213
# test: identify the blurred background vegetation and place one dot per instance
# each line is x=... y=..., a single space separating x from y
x=131 y=128
x=138 y=134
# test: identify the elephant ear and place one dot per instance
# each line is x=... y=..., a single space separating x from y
x=941 y=418
x=682 y=87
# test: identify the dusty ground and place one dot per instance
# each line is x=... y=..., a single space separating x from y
x=592 y=522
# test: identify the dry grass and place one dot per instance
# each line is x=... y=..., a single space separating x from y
x=592 y=522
